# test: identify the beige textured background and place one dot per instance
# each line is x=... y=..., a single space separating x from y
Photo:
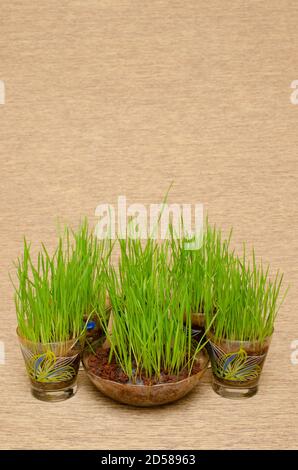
x=113 y=97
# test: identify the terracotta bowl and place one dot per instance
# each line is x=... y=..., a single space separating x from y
x=146 y=395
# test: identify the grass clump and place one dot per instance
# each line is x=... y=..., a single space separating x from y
x=246 y=299
x=148 y=336
x=55 y=295
x=199 y=267
x=238 y=297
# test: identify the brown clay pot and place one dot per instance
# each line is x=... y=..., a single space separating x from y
x=146 y=395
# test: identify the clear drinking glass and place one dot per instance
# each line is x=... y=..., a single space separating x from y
x=52 y=367
x=237 y=366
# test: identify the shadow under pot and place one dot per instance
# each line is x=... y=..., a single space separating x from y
x=237 y=366
x=52 y=367
x=121 y=389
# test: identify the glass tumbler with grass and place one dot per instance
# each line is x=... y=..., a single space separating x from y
x=242 y=326
x=52 y=298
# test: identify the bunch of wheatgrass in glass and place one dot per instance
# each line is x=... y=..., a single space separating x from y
x=246 y=300
x=56 y=295
x=148 y=337
x=199 y=266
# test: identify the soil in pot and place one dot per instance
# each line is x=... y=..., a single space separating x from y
x=113 y=382
x=100 y=366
